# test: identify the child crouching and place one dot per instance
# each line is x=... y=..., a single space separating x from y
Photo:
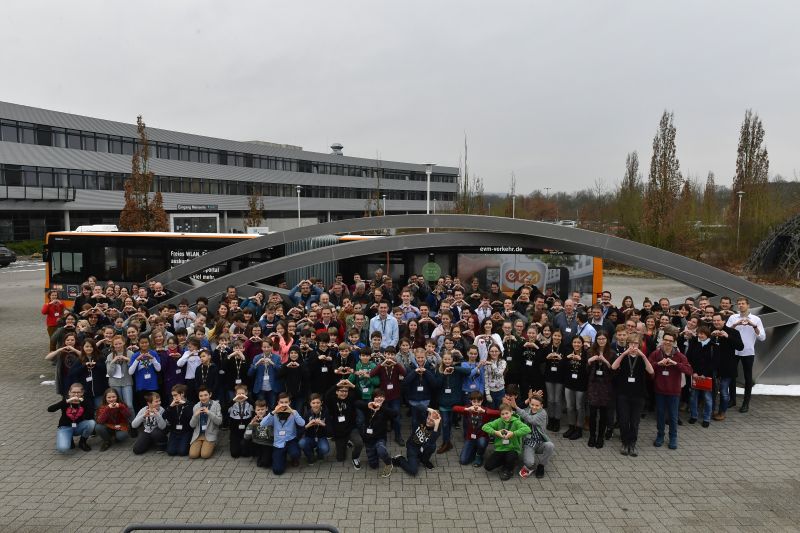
x=537 y=448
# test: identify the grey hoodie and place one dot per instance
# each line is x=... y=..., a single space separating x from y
x=536 y=421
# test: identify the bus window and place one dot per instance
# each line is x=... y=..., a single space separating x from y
x=144 y=263
x=111 y=269
x=65 y=265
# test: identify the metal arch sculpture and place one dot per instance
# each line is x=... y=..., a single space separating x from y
x=780 y=316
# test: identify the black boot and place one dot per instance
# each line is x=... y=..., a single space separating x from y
x=556 y=425
x=592 y=441
x=745 y=406
x=577 y=434
x=83 y=445
x=599 y=443
x=568 y=433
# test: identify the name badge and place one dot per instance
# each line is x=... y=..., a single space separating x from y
x=553 y=369
x=422 y=449
x=369 y=431
x=221 y=372
x=341 y=418
x=473 y=436
x=631 y=380
x=241 y=426
x=448 y=391
x=89 y=379
x=665 y=372
x=599 y=372
x=147 y=376
x=74 y=425
x=365 y=390
x=505 y=441
x=529 y=363
x=179 y=427
x=282 y=433
x=178 y=370
x=473 y=386
x=574 y=376
x=238 y=381
x=508 y=359
x=324 y=369
x=420 y=388
x=389 y=386
x=202 y=428
x=568 y=330
x=117 y=426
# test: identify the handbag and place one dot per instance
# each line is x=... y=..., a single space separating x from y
x=703 y=384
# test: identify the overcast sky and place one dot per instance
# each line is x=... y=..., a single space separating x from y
x=557 y=92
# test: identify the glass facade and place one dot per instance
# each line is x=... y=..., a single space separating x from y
x=17 y=176
x=43 y=135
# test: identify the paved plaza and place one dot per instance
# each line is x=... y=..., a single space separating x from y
x=740 y=475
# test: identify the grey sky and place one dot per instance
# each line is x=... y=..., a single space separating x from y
x=558 y=92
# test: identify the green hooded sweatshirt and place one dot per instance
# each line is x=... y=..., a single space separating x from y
x=515 y=425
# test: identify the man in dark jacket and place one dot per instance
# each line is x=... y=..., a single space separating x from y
x=341 y=424
x=725 y=342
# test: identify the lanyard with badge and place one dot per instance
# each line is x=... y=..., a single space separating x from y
x=631 y=369
x=178 y=425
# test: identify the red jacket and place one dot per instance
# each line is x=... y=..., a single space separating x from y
x=54 y=312
x=476 y=429
x=114 y=419
x=398 y=372
x=667 y=379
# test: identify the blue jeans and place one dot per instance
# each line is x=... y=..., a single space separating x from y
x=395 y=405
x=667 y=405
x=447 y=423
x=724 y=394
x=308 y=444
x=178 y=443
x=497 y=398
x=473 y=448
x=65 y=434
x=377 y=450
x=693 y=397
x=267 y=396
x=292 y=449
x=419 y=412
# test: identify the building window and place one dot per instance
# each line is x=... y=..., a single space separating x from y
x=8 y=131
x=88 y=141
x=44 y=136
x=74 y=139
x=101 y=142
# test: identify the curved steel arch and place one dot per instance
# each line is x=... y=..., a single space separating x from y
x=496 y=230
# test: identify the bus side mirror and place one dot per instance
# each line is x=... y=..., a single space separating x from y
x=46 y=256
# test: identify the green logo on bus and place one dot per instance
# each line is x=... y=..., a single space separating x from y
x=431 y=271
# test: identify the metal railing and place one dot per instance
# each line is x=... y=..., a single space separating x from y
x=239 y=527
x=38 y=193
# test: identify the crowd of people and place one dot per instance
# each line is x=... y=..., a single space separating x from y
x=289 y=375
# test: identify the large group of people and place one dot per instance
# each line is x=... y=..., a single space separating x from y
x=348 y=367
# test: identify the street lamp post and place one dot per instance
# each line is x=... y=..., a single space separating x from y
x=298 y=205
x=513 y=206
x=428 y=172
x=434 y=206
x=739 y=219
x=384 y=205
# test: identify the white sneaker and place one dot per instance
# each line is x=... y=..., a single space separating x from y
x=357 y=464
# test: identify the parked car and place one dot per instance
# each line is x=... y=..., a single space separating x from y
x=568 y=223
x=6 y=256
